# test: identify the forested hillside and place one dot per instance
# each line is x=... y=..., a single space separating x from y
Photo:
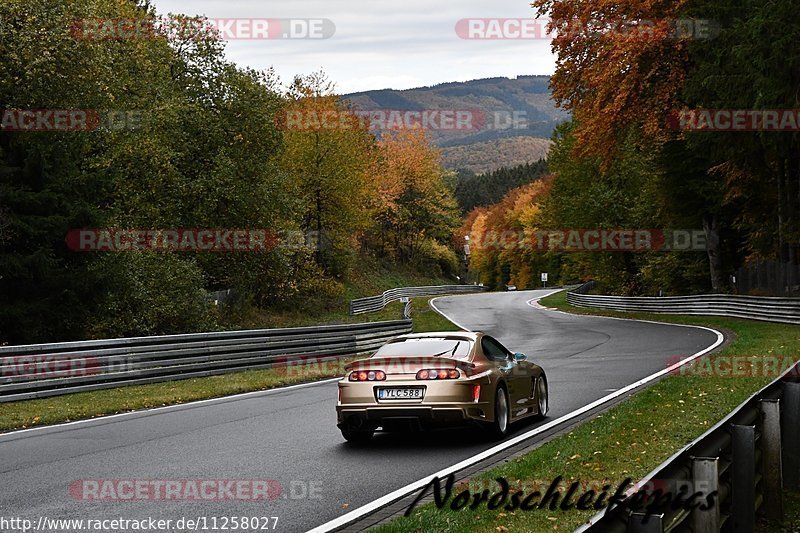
x=199 y=147
x=689 y=132
x=492 y=155
x=512 y=118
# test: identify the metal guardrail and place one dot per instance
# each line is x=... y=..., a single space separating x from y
x=769 y=309
x=42 y=370
x=748 y=458
x=376 y=303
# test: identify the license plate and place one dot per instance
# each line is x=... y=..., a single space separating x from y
x=401 y=394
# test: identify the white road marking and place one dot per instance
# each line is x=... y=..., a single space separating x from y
x=433 y=306
x=417 y=485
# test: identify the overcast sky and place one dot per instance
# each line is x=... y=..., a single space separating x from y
x=380 y=44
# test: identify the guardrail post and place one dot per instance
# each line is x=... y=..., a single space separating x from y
x=705 y=476
x=655 y=523
x=790 y=412
x=743 y=478
x=406 y=308
x=771 y=459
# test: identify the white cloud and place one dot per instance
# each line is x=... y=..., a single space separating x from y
x=380 y=44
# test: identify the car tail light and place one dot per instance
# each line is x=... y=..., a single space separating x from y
x=476 y=393
x=368 y=375
x=438 y=374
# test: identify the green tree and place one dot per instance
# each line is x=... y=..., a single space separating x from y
x=327 y=154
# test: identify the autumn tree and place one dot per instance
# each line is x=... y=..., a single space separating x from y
x=327 y=154
x=502 y=239
x=414 y=208
x=624 y=68
x=619 y=64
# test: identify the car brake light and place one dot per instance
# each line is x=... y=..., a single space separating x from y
x=476 y=393
x=439 y=374
x=372 y=375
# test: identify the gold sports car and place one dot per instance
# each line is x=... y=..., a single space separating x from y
x=430 y=380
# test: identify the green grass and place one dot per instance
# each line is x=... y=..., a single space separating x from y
x=370 y=279
x=426 y=319
x=629 y=440
x=29 y=413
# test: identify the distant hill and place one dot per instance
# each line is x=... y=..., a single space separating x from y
x=512 y=118
x=485 y=157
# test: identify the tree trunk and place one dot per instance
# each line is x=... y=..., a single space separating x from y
x=319 y=227
x=782 y=248
x=712 y=249
x=793 y=206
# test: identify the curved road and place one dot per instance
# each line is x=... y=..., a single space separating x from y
x=290 y=435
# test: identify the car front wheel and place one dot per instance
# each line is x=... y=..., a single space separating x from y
x=541 y=394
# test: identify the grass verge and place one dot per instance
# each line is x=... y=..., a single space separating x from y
x=83 y=405
x=629 y=440
x=371 y=278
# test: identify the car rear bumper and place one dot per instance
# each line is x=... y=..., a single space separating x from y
x=424 y=415
x=445 y=403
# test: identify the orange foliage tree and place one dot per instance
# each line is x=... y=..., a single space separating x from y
x=503 y=246
x=620 y=63
x=413 y=206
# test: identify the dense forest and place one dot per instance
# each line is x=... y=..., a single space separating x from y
x=196 y=143
x=638 y=78
x=479 y=190
x=180 y=138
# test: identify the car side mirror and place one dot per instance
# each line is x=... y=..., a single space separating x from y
x=519 y=357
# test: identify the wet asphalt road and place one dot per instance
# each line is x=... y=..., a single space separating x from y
x=290 y=435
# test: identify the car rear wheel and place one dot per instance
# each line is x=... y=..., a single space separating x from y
x=499 y=428
x=543 y=400
x=357 y=436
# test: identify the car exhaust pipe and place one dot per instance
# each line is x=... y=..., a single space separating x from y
x=355 y=422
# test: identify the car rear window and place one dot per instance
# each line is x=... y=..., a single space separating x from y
x=458 y=348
